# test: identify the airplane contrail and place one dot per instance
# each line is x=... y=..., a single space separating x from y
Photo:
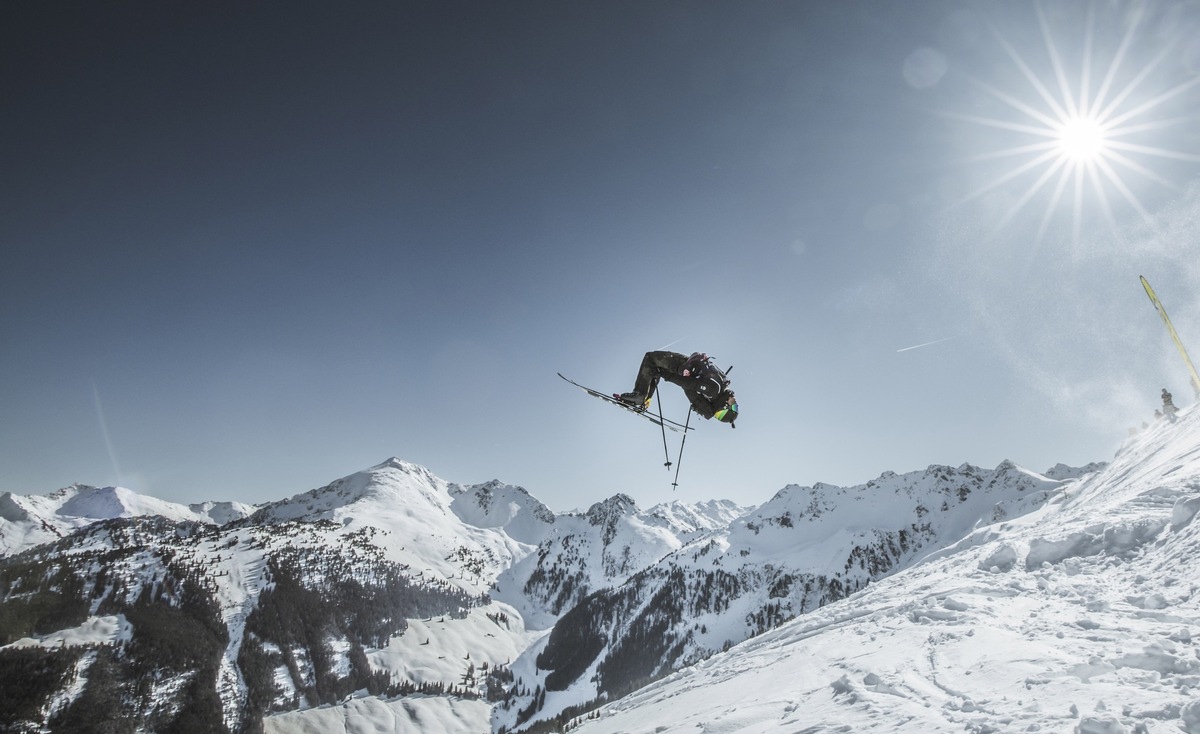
x=664 y=348
x=926 y=344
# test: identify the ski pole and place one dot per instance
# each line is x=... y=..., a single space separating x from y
x=682 y=443
x=663 y=425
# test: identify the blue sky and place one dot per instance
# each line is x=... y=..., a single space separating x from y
x=246 y=250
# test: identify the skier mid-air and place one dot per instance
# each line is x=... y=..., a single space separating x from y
x=704 y=384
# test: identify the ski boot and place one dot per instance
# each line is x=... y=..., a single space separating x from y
x=634 y=400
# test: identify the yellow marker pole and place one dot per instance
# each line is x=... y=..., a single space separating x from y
x=1174 y=335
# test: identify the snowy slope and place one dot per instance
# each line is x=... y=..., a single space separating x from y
x=107 y=630
x=501 y=506
x=948 y=599
x=391 y=534
x=232 y=568
x=489 y=537
x=804 y=548
x=1081 y=616
x=691 y=520
x=600 y=548
x=466 y=535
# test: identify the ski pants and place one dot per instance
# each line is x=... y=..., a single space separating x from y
x=656 y=365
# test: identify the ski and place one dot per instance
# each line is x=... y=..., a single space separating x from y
x=664 y=422
x=1174 y=336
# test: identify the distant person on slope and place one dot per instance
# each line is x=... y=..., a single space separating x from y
x=704 y=384
x=1168 y=405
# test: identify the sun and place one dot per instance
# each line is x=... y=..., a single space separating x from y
x=1084 y=140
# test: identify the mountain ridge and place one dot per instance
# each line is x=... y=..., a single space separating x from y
x=802 y=549
x=503 y=570
x=1073 y=617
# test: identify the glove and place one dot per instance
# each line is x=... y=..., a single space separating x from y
x=698 y=359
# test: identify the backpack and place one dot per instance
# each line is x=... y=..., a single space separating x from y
x=713 y=380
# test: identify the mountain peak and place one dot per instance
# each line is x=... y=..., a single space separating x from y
x=396 y=462
x=687 y=519
x=1063 y=472
x=609 y=510
x=495 y=504
x=1006 y=466
x=100 y=502
x=387 y=482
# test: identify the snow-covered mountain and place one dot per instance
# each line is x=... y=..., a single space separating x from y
x=948 y=599
x=28 y=521
x=689 y=520
x=1080 y=616
x=378 y=582
x=465 y=534
x=601 y=548
x=806 y=547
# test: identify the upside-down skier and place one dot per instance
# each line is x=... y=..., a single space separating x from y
x=705 y=385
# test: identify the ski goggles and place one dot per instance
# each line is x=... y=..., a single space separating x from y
x=727 y=414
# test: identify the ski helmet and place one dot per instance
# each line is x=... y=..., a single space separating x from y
x=728 y=414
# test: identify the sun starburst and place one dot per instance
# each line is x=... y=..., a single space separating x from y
x=1081 y=141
